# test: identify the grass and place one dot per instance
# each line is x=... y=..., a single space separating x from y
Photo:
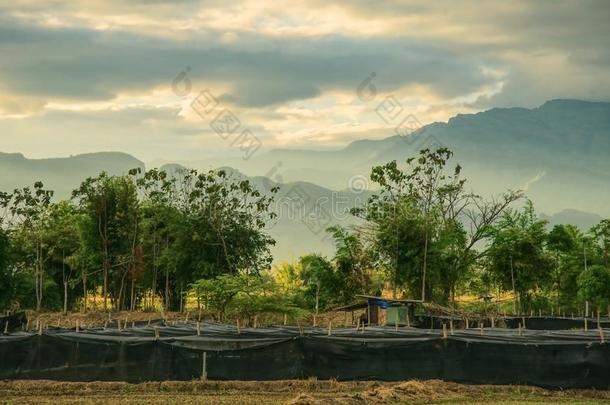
x=295 y=392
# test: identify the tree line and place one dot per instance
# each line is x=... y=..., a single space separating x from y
x=149 y=239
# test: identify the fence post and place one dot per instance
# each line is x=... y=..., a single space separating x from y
x=204 y=367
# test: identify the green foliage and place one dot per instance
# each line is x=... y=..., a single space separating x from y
x=594 y=286
x=244 y=295
x=517 y=256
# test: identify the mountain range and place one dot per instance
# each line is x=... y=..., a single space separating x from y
x=558 y=153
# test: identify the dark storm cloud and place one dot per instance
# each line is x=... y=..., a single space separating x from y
x=83 y=64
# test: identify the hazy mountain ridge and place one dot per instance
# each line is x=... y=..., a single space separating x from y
x=557 y=152
x=61 y=174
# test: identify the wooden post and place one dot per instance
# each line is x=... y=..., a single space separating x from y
x=481 y=324
x=238 y=328
x=148 y=324
x=523 y=320
x=285 y=319
x=451 y=326
x=408 y=320
x=58 y=321
x=344 y=318
x=396 y=323
x=105 y=324
x=255 y=321
x=198 y=328
x=330 y=328
x=520 y=332
x=118 y=324
x=27 y=324
x=157 y=334
x=133 y=324
x=493 y=322
x=598 y=324
x=77 y=326
x=601 y=335
x=314 y=320
x=40 y=328
x=586 y=308
x=204 y=367
x=6 y=327
x=444 y=331
x=586 y=324
x=467 y=325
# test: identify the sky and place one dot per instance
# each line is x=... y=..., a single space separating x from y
x=90 y=75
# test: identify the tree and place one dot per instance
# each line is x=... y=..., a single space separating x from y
x=600 y=238
x=594 y=286
x=320 y=281
x=517 y=255
x=426 y=226
x=29 y=211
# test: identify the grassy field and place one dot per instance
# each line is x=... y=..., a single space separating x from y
x=285 y=392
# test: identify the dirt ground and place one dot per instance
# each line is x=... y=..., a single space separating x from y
x=293 y=392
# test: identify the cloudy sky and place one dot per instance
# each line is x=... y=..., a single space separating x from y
x=90 y=75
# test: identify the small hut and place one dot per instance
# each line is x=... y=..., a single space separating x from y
x=397 y=311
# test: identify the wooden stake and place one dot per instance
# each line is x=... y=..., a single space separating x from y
x=148 y=324
x=408 y=320
x=467 y=325
x=118 y=324
x=77 y=326
x=451 y=326
x=586 y=324
x=598 y=325
x=157 y=334
x=586 y=308
x=238 y=329
x=105 y=324
x=396 y=324
x=198 y=328
x=285 y=319
x=481 y=324
x=493 y=322
x=133 y=324
x=444 y=331
x=27 y=324
x=314 y=321
x=520 y=332
x=204 y=367
x=523 y=320
x=186 y=318
x=330 y=328
x=255 y=321
x=601 y=335
x=6 y=327
x=40 y=328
